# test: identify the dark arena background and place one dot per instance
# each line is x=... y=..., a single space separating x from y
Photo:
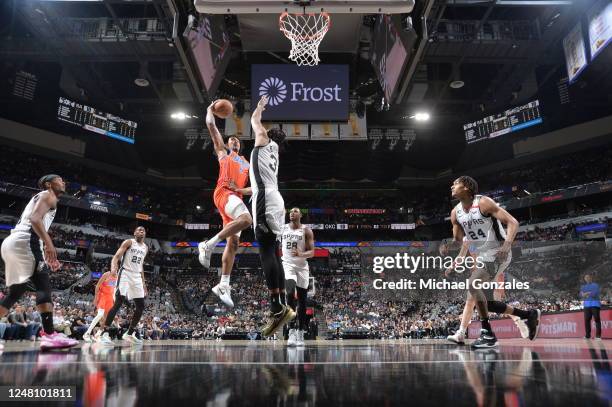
x=386 y=105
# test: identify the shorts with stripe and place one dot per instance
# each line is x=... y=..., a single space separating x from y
x=130 y=284
x=22 y=255
x=268 y=211
x=492 y=271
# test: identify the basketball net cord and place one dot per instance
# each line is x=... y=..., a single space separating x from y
x=305 y=31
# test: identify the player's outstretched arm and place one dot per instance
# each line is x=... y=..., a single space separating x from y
x=261 y=134
x=215 y=135
x=120 y=252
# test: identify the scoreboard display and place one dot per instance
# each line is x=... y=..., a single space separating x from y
x=96 y=121
x=509 y=121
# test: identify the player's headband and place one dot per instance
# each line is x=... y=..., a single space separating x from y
x=46 y=178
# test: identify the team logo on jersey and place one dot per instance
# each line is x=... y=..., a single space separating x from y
x=275 y=89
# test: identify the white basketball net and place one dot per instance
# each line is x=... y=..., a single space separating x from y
x=306 y=31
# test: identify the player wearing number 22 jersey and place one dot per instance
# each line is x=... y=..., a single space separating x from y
x=129 y=260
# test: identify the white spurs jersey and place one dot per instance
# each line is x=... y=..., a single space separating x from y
x=293 y=239
x=24 y=224
x=264 y=167
x=485 y=233
x=133 y=259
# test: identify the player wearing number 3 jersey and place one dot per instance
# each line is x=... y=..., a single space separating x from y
x=129 y=260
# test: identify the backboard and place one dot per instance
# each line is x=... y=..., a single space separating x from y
x=314 y=6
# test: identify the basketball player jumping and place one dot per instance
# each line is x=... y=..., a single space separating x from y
x=297 y=243
x=233 y=176
x=29 y=254
x=104 y=299
x=129 y=260
x=269 y=216
x=479 y=219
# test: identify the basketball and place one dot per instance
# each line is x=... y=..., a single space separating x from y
x=223 y=108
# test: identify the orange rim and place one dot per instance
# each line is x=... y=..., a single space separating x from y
x=290 y=35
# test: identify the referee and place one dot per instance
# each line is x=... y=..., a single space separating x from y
x=589 y=293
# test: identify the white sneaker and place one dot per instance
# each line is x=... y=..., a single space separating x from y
x=133 y=339
x=87 y=338
x=205 y=254
x=105 y=339
x=292 y=341
x=521 y=325
x=300 y=338
x=458 y=338
x=224 y=294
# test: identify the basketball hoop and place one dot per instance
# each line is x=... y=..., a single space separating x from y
x=306 y=31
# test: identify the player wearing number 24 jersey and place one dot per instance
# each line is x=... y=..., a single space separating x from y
x=478 y=227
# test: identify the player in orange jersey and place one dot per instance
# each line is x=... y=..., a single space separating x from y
x=104 y=299
x=233 y=177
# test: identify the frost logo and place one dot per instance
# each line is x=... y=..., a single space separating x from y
x=274 y=89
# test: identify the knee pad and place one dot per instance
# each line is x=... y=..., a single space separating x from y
x=496 y=306
x=264 y=235
x=139 y=302
x=290 y=287
x=14 y=294
x=43 y=297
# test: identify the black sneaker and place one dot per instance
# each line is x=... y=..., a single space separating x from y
x=277 y=320
x=487 y=340
x=533 y=323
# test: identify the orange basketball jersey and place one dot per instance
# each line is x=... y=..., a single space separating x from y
x=232 y=167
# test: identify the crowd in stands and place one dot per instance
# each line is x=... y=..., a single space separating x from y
x=405 y=205
x=565 y=231
x=181 y=305
x=340 y=302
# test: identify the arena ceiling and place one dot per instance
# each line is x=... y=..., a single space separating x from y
x=503 y=53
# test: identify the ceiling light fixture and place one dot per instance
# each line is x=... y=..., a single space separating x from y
x=182 y=116
x=457 y=84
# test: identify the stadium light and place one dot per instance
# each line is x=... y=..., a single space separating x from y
x=182 y=116
x=421 y=116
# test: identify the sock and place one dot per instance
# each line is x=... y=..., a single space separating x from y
x=94 y=322
x=520 y=313
x=463 y=329
x=283 y=297
x=225 y=279
x=47 y=322
x=275 y=305
x=486 y=325
x=212 y=242
x=130 y=331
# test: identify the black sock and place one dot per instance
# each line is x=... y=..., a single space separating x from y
x=520 y=313
x=275 y=305
x=47 y=322
x=130 y=331
x=486 y=325
x=283 y=297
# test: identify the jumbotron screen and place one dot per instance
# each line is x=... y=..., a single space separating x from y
x=510 y=120
x=96 y=121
